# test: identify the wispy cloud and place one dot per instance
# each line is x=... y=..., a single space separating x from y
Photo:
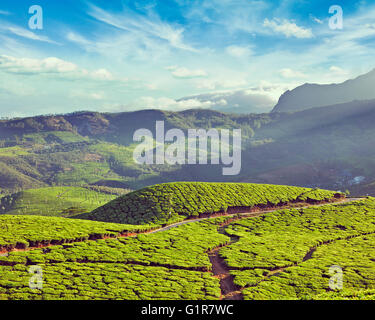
x=24 y=33
x=315 y=19
x=185 y=73
x=143 y=26
x=35 y=66
x=54 y=67
x=82 y=94
x=288 y=28
x=115 y=55
x=337 y=71
x=290 y=73
x=78 y=39
x=239 y=51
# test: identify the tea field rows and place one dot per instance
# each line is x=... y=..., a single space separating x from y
x=171 y=202
x=269 y=259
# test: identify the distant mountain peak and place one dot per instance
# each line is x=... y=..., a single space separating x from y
x=312 y=95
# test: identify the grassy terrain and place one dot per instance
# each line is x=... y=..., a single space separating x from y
x=267 y=255
x=167 y=265
x=170 y=202
x=54 y=201
x=25 y=231
x=103 y=281
x=347 y=295
x=342 y=235
x=54 y=137
x=13 y=151
x=181 y=247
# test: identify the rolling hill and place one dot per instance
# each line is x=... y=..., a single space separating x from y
x=327 y=147
x=89 y=260
x=55 y=201
x=171 y=202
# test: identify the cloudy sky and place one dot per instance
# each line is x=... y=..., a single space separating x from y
x=174 y=54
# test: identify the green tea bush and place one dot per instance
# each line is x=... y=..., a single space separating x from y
x=170 y=202
x=29 y=231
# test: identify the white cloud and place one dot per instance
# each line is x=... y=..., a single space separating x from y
x=253 y=100
x=36 y=66
x=119 y=45
x=164 y=103
x=102 y=74
x=87 y=95
x=287 y=28
x=239 y=52
x=4 y=13
x=143 y=27
x=53 y=66
x=214 y=84
x=77 y=38
x=317 y=20
x=21 y=32
x=290 y=74
x=185 y=73
x=337 y=71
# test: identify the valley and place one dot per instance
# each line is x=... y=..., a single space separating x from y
x=319 y=147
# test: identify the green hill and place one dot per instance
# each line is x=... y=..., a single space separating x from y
x=165 y=203
x=284 y=254
x=22 y=232
x=325 y=147
x=54 y=201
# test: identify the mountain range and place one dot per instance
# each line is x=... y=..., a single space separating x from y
x=316 y=95
x=324 y=146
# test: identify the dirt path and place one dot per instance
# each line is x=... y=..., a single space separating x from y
x=255 y=213
x=241 y=215
x=308 y=256
x=229 y=290
x=220 y=270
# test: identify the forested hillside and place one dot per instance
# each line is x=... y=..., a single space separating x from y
x=328 y=147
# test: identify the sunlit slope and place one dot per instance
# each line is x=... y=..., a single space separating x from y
x=22 y=232
x=165 y=203
x=284 y=254
x=53 y=201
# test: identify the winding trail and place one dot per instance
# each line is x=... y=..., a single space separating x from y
x=257 y=213
x=308 y=256
x=220 y=270
x=229 y=290
x=239 y=215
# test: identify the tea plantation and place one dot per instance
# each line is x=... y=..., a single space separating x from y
x=29 y=231
x=288 y=254
x=103 y=281
x=171 y=202
x=166 y=265
x=54 y=201
x=283 y=254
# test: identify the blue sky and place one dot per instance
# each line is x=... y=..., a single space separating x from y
x=126 y=55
